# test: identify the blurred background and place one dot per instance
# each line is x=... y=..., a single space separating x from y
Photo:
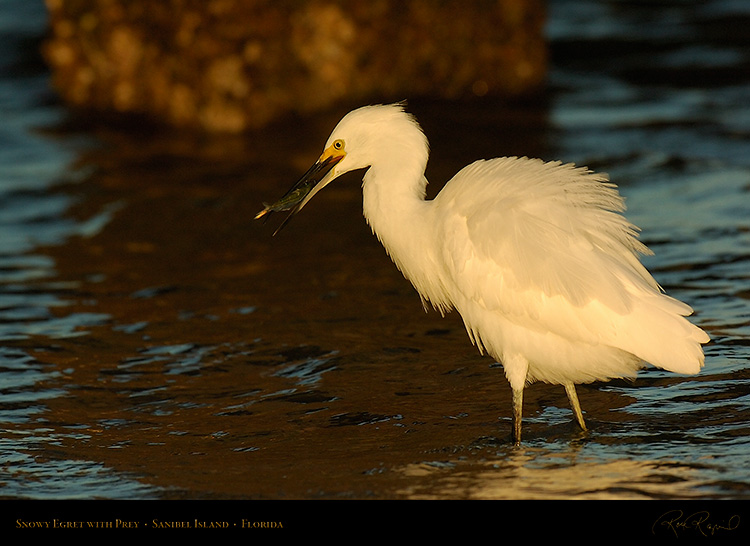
x=156 y=343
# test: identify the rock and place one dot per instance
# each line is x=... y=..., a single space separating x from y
x=232 y=65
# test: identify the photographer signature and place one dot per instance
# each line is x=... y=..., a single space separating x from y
x=675 y=521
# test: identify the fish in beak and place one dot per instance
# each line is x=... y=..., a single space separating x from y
x=314 y=180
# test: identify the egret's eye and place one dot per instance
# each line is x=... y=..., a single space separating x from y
x=338 y=145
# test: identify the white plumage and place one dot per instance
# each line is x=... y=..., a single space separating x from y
x=536 y=257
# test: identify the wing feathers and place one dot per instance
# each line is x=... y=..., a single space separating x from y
x=546 y=246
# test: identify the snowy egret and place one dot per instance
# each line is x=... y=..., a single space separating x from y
x=536 y=257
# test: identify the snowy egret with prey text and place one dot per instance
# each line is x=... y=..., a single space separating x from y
x=536 y=257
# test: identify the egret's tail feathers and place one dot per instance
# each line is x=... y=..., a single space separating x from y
x=687 y=357
x=672 y=343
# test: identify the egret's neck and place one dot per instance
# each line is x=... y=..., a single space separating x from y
x=395 y=207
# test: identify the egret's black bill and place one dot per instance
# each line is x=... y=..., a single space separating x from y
x=299 y=194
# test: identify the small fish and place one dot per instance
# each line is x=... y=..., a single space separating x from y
x=311 y=182
x=290 y=200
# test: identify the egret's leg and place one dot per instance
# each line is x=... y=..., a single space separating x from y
x=570 y=389
x=516 y=369
x=517 y=411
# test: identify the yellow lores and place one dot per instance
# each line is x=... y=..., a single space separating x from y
x=536 y=257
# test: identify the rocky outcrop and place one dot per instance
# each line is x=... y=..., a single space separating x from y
x=230 y=65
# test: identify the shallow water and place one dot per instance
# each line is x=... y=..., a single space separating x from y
x=159 y=344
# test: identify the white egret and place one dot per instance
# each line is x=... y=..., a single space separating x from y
x=536 y=257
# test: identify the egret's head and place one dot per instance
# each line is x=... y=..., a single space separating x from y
x=361 y=138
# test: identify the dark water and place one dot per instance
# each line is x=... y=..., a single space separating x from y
x=156 y=343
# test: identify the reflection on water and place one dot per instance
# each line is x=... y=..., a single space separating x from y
x=157 y=343
x=540 y=475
